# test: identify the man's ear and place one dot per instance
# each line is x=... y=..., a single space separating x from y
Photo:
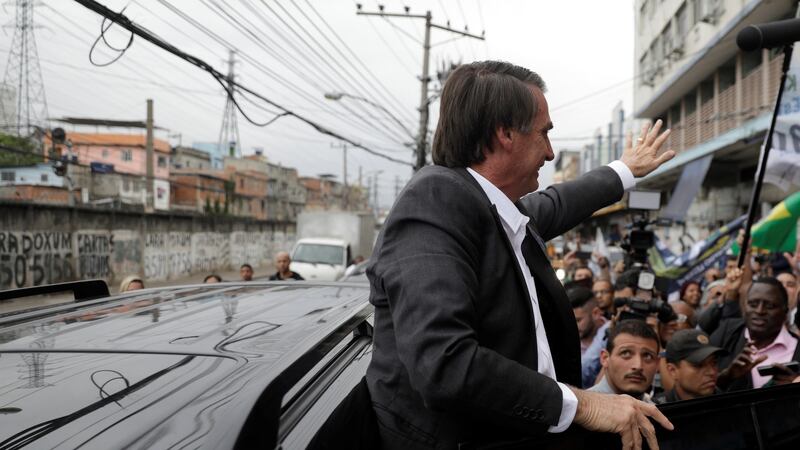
x=504 y=137
x=604 y=357
x=672 y=369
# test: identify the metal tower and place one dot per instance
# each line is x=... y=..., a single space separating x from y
x=229 y=133
x=23 y=106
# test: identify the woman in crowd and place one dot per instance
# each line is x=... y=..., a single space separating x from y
x=691 y=294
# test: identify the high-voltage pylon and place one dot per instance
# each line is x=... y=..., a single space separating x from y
x=229 y=133
x=23 y=106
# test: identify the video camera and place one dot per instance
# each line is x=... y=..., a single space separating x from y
x=638 y=243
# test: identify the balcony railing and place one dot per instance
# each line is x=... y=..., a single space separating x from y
x=752 y=96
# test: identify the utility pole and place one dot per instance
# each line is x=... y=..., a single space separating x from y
x=396 y=186
x=375 y=194
x=229 y=132
x=422 y=134
x=346 y=189
x=149 y=147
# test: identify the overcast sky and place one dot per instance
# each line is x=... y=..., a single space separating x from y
x=583 y=49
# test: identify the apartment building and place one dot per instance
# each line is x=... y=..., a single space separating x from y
x=716 y=99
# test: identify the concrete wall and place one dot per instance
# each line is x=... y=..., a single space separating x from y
x=51 y=244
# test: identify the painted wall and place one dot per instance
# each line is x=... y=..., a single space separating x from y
x=38 y=175
x=112 y=246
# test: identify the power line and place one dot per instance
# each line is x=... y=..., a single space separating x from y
x=311 y=70
x=400 y=109
x=126 y=23
x=348 y=79
x=254 y=62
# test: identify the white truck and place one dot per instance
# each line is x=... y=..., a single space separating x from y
x=328 y=241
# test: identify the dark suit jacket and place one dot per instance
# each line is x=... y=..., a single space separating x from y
x=455 y=355
x=730 y=336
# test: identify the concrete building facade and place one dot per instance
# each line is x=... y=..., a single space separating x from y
x=190 y=158
x=716 y=99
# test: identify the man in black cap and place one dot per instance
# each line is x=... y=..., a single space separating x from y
x=692 y=363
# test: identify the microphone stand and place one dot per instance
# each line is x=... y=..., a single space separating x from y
x=762 y=165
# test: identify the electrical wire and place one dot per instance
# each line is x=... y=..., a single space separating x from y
x=225 y=11
x=375 y=83
x=103 y=30
x=254 y=61
x=126 y=23
x=330 y=61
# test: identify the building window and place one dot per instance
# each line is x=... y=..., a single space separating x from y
x=241 y=183
x=105 y=153
x=6 y=176
x=681 y=21
x=126 y=154
x=690 y=102
x=44 y=178
x=162 y=161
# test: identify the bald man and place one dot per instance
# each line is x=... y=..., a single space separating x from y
x=282 y=262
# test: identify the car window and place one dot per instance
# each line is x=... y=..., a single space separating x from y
x=319 y=254
x=332 y=393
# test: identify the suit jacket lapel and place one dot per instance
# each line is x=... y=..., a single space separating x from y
x=517 y=270
x=557 y=316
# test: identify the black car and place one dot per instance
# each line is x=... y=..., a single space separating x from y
x=255 y=365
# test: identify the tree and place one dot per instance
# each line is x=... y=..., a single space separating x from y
x=23 y=153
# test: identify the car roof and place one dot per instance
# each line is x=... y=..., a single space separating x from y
x=208 y=351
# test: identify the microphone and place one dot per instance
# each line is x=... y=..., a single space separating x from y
x=769 y=35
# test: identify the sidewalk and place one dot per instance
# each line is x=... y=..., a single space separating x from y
x=260 y=273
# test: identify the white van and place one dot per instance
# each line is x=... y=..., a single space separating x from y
x=320 y=259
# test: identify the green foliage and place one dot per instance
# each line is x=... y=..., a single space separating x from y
x=14 y=158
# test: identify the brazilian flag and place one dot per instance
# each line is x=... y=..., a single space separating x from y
x=778 y=231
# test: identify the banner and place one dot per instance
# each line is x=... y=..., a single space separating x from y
x=692 y=264
x=783 y=165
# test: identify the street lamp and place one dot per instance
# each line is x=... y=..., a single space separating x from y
x=339 y=95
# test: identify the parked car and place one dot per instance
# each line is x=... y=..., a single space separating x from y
x=257 y=365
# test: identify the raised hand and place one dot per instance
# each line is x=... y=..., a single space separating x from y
x=741 y=366
x=643 y=157
x=733 y=281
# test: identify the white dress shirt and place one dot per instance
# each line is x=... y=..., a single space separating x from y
x=514 y=224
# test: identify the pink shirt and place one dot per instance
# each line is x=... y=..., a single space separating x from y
x=779 y=351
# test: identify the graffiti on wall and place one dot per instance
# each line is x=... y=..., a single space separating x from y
x=167 y=255
x=94 y=254
x=34 y=258
x=210 y=252
x=127 y=256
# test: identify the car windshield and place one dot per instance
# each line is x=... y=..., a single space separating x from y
x=319 y=254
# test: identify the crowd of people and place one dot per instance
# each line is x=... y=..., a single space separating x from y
x=735 y=329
